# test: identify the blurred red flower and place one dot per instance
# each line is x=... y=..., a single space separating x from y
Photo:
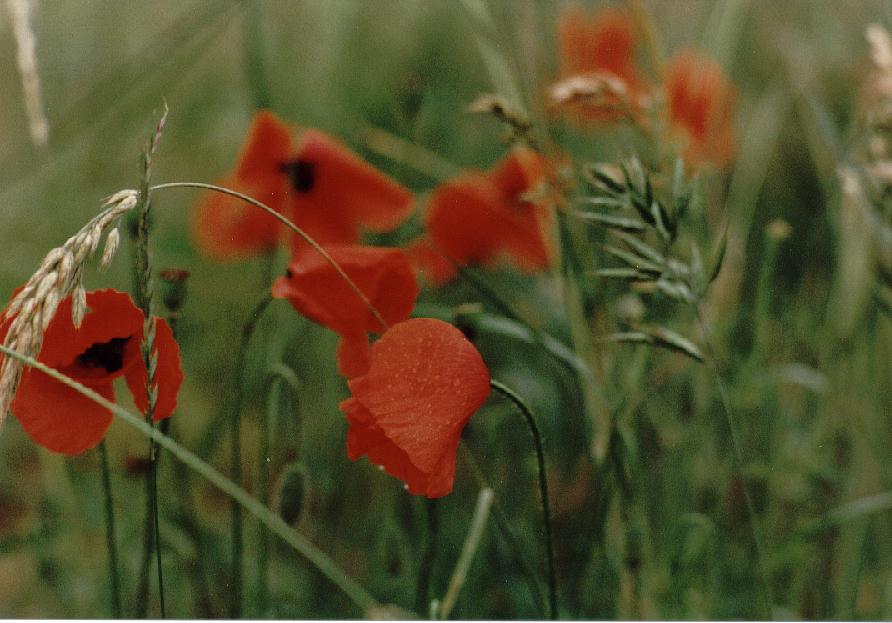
x=480 y=217
x=600 y=49
x=407 y=412
x=105 y=347
x=227 y=228
x=316 y=290
x=700 y=101
x=326 y=189
x=335 y=193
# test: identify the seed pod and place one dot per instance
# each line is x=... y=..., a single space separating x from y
x=291 y=493
x=111 y=247
x=78 y=306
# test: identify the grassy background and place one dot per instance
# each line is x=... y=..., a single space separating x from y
x=664 y=533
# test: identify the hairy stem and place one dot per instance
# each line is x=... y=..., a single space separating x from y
x=110 y=541
x=543 y=489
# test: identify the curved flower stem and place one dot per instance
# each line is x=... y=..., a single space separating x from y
x=543 y=489
x=235 y=466
x=756 y=529
x=328 y=567
x=294 y=228
x=110 y=542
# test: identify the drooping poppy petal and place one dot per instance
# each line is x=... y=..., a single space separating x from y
x=59 y=418
x=227 y=228
x=168 y=374
x=700 y=101
x=106 y=346
x=336 y=193
x=316 y=290
x=407 y=412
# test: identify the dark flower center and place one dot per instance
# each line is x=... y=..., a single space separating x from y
x=302 y=175
x=106 y=355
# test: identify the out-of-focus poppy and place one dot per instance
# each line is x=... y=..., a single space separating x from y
x=407 y=412
x=700 y=101
x=597 y=57
x=326 y=189
x=316 y=290
x=431 y=263
x=478 y=218
x=335 y=194
x=105 y=347
x=227 y=228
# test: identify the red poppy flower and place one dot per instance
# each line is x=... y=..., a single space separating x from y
x=335 y=193
x=436 y=268
x=327 y=190
x=317 y=291
x=477 y=217
x=601 y=45
x=408 y=410
x=700 y=102
x=105 y=347
x=226 y=227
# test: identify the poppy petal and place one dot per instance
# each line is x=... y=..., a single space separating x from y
x=431 y=263
x=341 y=192
x=425 y=382
x=59 y=418
x=354 y=355
x=111 y=314
x=226 y=228
x=317 y=291
x=267 y=146
x=168 y=374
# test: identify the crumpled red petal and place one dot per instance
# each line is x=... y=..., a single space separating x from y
x=267 y=145
x=603 y=42
x=345 y=193
x=168 y=374
x=316 y=290
x=407 y=413
x=354 y=355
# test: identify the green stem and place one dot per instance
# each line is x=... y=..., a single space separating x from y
x=235 y=465
x=426 y=565
x=356 y=593
x=110 y=541
x=756 y=530
x=543 y=489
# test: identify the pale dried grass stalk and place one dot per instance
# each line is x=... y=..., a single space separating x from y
x=20 y=13
x=59 y=275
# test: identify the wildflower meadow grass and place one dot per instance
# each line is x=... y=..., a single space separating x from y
x=473 y=309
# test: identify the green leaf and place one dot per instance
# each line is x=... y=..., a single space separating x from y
x=719 y=258
x=628 y=274
x=673 y=341
x=613 y=222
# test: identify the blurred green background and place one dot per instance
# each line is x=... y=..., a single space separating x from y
x=664 y=532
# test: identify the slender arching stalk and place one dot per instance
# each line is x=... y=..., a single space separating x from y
x=543 y=489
